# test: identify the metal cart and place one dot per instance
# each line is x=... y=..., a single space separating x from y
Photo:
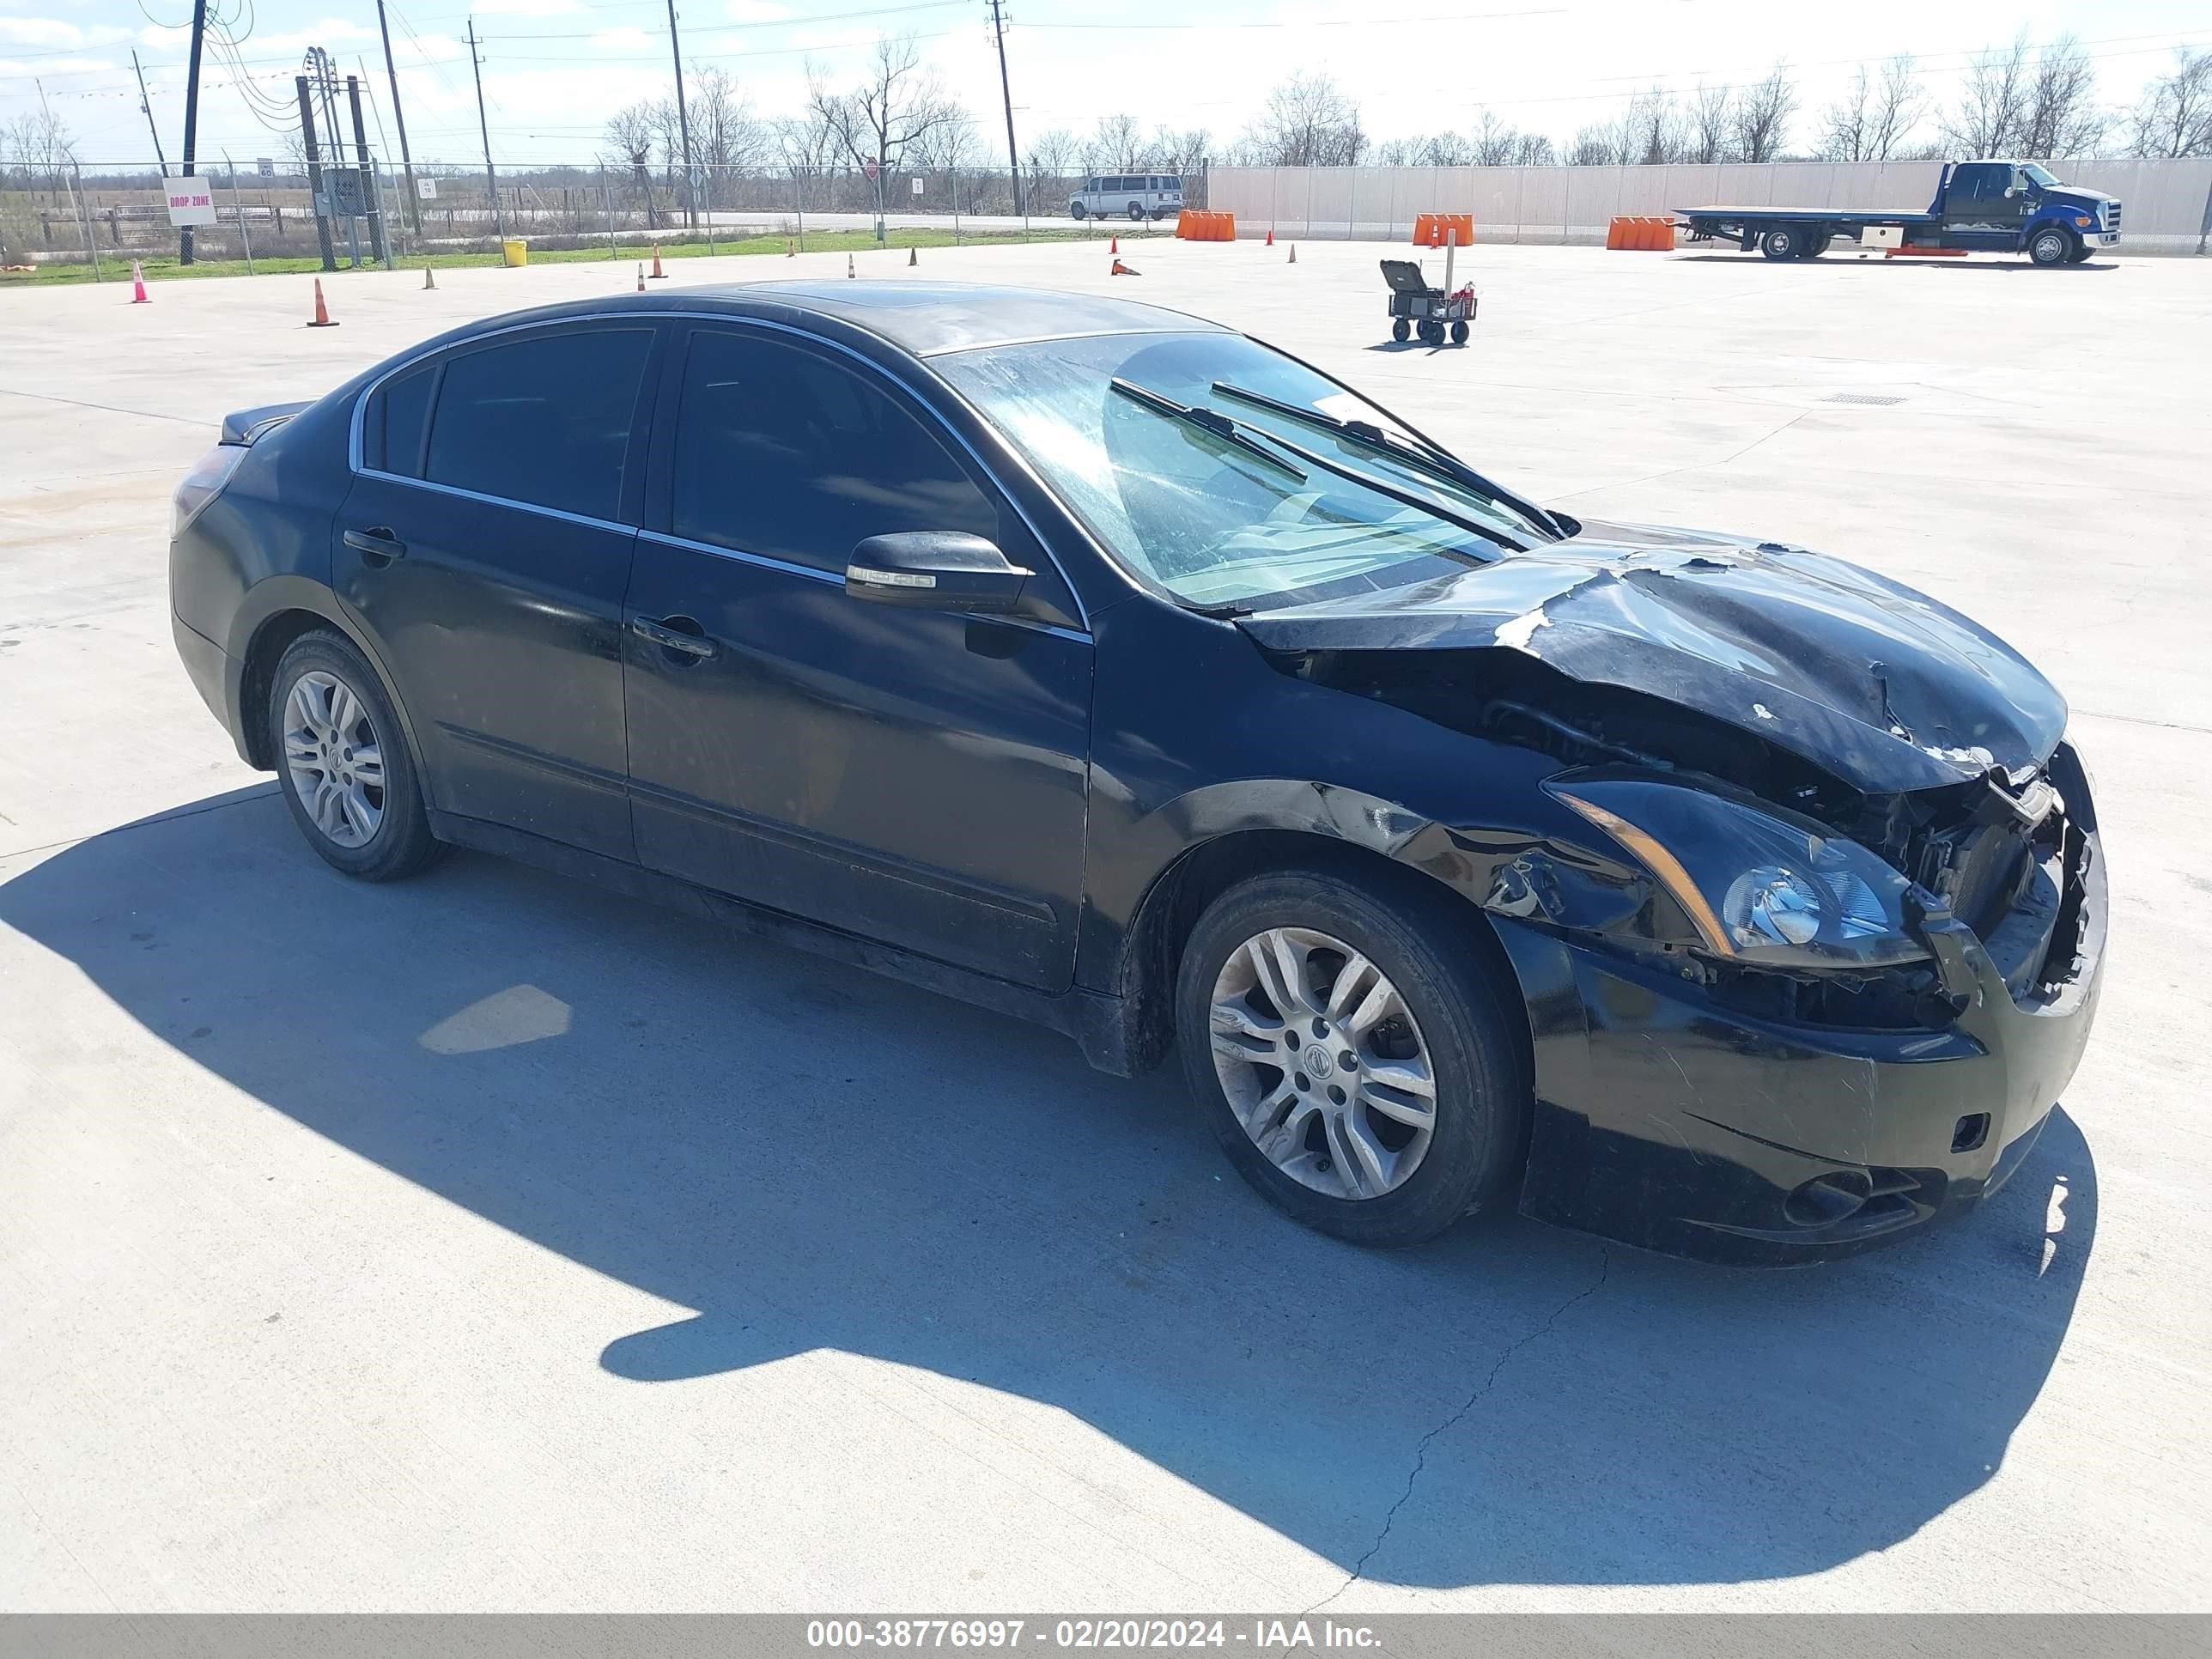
x=1415 y=306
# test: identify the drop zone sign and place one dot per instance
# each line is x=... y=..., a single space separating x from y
x=191 y=202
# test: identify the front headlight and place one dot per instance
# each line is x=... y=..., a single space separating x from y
x=1762 y=886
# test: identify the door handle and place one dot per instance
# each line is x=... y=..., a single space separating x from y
x=378 y=545
x=672 y=639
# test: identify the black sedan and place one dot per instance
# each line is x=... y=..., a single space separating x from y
x=1116 y=671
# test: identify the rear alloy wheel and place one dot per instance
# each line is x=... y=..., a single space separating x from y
x=1783 y=242
x=343 y=762
x=1136 y=213
x=2053 y=247
x=1358 y=1059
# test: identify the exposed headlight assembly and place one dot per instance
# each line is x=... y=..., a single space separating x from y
x=1762 y=887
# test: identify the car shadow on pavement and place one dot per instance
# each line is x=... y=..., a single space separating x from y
x=812 y=1157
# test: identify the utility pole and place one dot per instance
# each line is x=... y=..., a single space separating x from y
x=379 y=250
x=192 y=118
x=476 y=65
x=399 y=117
x=1013 y=157
x=315 y=174
x=684 y=121
x=146 y=104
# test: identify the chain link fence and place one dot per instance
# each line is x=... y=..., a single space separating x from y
x=78 y=213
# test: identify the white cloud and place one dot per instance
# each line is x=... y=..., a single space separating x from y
x=756 y=11
x=55 y=32
x=626 y=39
x=526 y=7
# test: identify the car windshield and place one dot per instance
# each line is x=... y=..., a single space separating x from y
x=1238 y=505
x=2043 y=177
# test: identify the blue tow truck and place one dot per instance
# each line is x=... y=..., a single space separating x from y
x=1980 y=207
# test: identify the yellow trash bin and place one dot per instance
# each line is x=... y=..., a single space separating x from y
x=515 y=251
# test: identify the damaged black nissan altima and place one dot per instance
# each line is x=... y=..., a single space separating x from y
x=1109 y=668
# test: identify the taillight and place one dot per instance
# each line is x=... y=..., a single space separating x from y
x=203 y=483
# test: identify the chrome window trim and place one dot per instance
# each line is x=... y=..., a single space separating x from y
x=833 y=579
x=500 y=501
x=354 y=446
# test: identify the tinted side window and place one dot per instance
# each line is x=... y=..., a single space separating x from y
x=398 y=422
x=787 y=455
x=543 y=419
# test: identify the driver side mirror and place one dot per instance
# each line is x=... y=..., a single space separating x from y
x=935 y=570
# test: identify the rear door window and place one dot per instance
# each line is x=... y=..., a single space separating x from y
x=398 y=419
x=543 y=419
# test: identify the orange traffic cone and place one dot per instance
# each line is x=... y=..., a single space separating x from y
x=641 y=276
x=1120 y=270
x=322 y=311
x=1271 y=236
x=429 y=283
x=913 y=258
x=1113 y=245
x=659 y=274
x=139 y=285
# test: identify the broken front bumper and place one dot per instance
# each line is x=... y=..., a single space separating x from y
x=1667 y=1121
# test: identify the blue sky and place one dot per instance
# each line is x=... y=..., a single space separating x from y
x=555 y=69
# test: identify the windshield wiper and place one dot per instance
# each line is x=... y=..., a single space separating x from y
x=1416 y=453
x=1208 y=421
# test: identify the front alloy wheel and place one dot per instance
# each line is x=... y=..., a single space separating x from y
x=1323 y=1063
x=2050 y=247
x=1359 y=1052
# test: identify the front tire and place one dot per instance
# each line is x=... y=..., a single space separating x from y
x=1361 y=1060
x=342 y=761
x=1401 y=330
x=1075 y=208
x=2052 y=246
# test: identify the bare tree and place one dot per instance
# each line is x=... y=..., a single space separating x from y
x=1494 y=140
x=2062 y=117
x=1308 y=121
x=634 y=130
x=1117 y=144
x=1597 y=145
x=1705 y=126
x=804 y=143
x=1444 y=149
x=1758 y=119
x=1181 y=149
x=1991 y=112
x=1052 y=155
x=1873 y=117
x=1651 y=129
x=2175 y=115
x=41 y=144
x=1534 y=150
x=724 y=132
x=897 y=103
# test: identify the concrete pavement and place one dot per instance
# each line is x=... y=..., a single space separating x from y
x=414 y=1247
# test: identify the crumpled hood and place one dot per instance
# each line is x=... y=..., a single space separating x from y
x=1878 y=685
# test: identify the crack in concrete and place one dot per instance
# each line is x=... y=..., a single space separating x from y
x=1421 y=1451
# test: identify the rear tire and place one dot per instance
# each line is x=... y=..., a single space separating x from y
x=1136 y=213
x=1457 y=1012
x=342 y=763
x=1783 y=242
x=1432 y=332
x=2052 y=246
x=1817 y=246
x=1459 y=333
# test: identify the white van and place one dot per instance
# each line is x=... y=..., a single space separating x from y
x=1135 y=195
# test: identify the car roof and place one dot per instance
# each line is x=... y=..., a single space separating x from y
x=924 y=319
